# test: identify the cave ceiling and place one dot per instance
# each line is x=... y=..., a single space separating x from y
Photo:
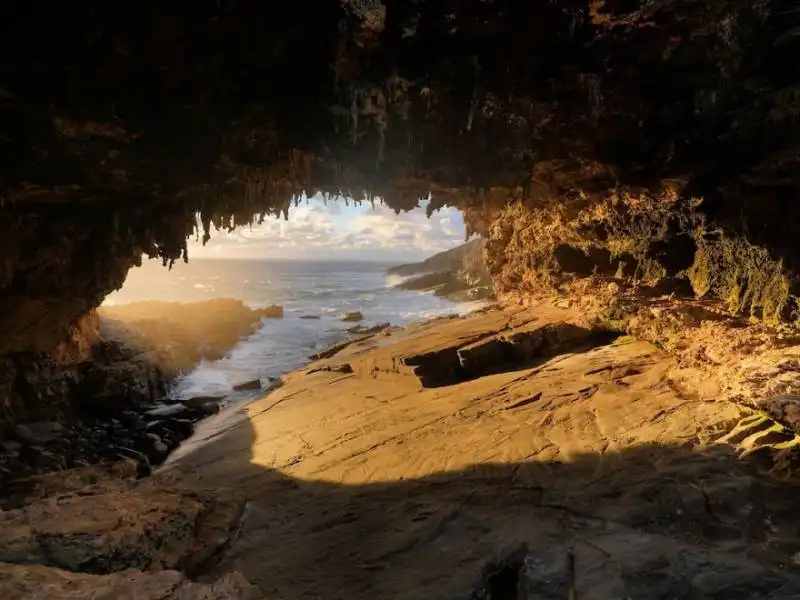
x=119 y=122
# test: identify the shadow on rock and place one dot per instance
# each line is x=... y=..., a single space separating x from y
x=645 y=522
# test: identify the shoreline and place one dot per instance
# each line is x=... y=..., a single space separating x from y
x=379 y=438
x=450 y=447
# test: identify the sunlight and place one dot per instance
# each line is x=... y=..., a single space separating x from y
x=322 y=229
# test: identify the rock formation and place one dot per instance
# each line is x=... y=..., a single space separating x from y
x=459 y=273
x=555 y=463
x=95 y=531
x=638 y=159
x=653 y=140
x=97 y=396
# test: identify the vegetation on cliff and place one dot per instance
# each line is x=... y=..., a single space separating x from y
x=459 y=273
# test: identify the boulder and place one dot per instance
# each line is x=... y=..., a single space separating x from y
x=166 y=410
x=362 y=330
x=254 y=384
x=20 y=582
x=40 y=433
x=271 y=312
x=115 y=525
x=204 y=406
x=352 y=317
x=200 y=401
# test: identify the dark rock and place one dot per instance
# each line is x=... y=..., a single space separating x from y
x=144 y=468
x=159 y=448
x=254 y=384
x=309 y=317
x=166 y=410
x=184 y=427
x=11 y=446
x=40 y=433
x=271 y=312
x=362 y=330
x=49 y=461
x=352 y=317
x=204 y=406
x=200 y=401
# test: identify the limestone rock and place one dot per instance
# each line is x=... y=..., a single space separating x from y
x=116 y=525
x=25 y=582
x=254 y=384
x=166 y=410
x=271 y=312
x=362 y=330
x=352 y=317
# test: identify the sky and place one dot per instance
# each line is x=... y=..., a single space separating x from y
x=337 y=231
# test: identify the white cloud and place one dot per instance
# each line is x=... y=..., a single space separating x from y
x=317 y=231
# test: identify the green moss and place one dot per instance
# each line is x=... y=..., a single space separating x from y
x=744 y=276
x=612 y=318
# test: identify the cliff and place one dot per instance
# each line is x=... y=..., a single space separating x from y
x=636 y=161
x=458 y=274
x=654 y=141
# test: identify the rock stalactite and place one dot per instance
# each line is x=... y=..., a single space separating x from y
x=650 y=145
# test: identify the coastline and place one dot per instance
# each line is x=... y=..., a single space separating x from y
x=461 y=447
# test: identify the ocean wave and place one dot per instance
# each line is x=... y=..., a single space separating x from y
x=394 y=280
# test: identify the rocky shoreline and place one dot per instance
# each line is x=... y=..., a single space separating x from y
x=479 y=451
x=106 y=396
x=458 y=274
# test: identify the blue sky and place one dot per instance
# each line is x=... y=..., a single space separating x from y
x=339 y=231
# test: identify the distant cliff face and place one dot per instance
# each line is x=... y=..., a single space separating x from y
x=459 y=273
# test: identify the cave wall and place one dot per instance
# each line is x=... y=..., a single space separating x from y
x=575 y=135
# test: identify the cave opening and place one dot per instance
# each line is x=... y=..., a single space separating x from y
x=628 y=168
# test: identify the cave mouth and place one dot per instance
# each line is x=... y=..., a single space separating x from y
x=568 y=134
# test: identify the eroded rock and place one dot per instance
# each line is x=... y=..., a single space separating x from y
x=271 y=312
x=254 y=384
x=113 y=525
x=352 y=317
x=23 y=582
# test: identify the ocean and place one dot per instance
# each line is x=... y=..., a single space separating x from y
x=326 y=289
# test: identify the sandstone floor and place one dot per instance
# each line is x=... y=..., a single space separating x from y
x=505 y=455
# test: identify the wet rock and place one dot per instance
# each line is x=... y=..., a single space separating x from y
x=40 y=433
x=200 y=401
x=124 y=453
x=271 y=312
x=361 y=330
x=46 y=460
x=160 y=449
x=309 y=317
x=254 y=384
x=18 y=582
x=185 y=427
x=166 y=410
x=113 y=526
x=11 y=446
x=352 y=317
x=208 y=409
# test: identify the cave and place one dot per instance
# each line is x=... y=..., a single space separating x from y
x=608 y=152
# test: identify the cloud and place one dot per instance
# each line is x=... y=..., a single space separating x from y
x=338 y=230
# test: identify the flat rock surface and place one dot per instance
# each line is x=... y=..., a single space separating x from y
x=81 y=523
x=602 y=470
x=26 y=582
